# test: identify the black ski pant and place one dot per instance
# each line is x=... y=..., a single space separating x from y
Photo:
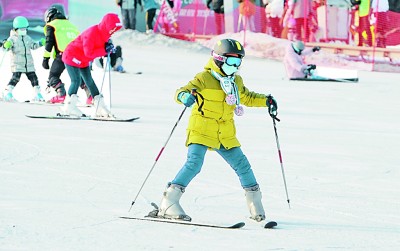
x=56 y=69
x=30 y=75
x=150 y=18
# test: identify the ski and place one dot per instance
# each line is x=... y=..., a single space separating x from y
x=188 y=223
x=344 y=80
x=37 y=102
x=59 y=116
x=47 y=103
x=270 y=224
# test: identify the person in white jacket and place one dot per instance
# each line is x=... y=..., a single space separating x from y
x=20 y=45
x=294 y=63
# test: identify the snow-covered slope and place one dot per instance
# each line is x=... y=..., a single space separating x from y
x=63 y=184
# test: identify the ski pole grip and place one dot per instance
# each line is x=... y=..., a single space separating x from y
x=194 y=91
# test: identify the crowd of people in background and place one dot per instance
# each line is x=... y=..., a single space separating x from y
x=287 y=19
x=129 y=9
x=298 y=20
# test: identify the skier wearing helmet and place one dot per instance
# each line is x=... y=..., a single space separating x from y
x=59 y=33
x=20 y=44
x=216 y=94
x=90 y=44
x=294 y=63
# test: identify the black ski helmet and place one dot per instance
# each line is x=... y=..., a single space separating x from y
x=229 y=46
x=50 y=13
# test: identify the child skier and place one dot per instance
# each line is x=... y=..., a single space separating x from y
x=219 y=93
x=20 y=44
x=59 y=32
x=90 y=44
x=293 y=60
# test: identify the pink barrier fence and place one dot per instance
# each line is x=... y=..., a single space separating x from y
x=311 y=22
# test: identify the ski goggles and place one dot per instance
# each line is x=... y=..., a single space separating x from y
x=233 y=61
x=229 y=60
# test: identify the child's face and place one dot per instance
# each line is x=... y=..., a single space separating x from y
x=22 y=31
x=231 y=64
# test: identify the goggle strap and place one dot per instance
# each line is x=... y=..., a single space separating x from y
x=218 y=57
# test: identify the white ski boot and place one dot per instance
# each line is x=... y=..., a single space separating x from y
x=100 y=108
x=253 y=198
x=170 y=207
x=37 y=95
x=70 y=108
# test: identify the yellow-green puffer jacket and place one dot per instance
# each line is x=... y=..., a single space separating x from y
x=216 y=126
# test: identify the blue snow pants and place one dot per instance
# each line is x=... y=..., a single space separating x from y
x=234 y=157
x=77 y=75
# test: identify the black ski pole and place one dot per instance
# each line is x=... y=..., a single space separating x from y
x=159 y=154
x=280 y=157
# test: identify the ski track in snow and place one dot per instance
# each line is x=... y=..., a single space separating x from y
x=15 y=151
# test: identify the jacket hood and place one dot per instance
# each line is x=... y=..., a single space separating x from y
x=110 y=24
x=211 y=65
x=13 y=33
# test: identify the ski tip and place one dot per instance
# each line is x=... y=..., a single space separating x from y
x=135 y=72
x=238 y=225
x=270 y=224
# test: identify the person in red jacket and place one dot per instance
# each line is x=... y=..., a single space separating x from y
x=90 y=44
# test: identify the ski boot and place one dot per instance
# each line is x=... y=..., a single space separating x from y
x=100 y=108
x=37 y=96
x=169 y=206
x=70 y=108
x=7 y=94
x=57 y=99
x=118 y=65
x=253 y=199
x=119 y=69
x=89 y=101
x=61 y=94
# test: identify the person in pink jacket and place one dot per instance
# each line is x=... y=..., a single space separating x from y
x=293 y=60
x=90 y=44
